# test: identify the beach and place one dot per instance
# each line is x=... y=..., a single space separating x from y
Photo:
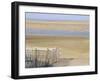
x=74 y=51
x=68 y=33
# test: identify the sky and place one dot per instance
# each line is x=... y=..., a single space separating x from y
x=57 y=17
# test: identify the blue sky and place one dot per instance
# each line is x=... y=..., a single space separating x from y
x=55 y=17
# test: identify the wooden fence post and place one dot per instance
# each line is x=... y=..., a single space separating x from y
x=35 y=57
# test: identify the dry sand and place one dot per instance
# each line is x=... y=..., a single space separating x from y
x=74 y=50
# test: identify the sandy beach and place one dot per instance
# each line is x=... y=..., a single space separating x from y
x=67 y=32
x=73 y=50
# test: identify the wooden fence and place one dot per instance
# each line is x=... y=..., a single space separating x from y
x=41 y=57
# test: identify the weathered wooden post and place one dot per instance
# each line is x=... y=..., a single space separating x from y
x=56 y=54
x=35 y=57
x=47 y=57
